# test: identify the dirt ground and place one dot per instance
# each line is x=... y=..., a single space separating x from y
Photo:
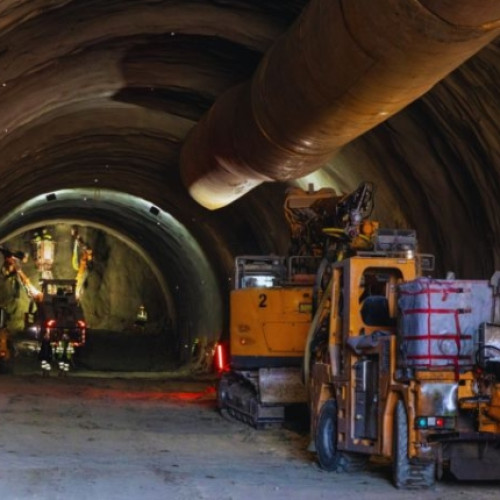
x=151 y=436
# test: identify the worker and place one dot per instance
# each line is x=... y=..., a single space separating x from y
x=141 y=317
x=45 y=354
x=64 y=354
x=36 y=238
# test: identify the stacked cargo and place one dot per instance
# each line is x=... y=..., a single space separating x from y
x=440 y=321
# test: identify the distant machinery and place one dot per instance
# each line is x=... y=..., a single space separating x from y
x=55 y=317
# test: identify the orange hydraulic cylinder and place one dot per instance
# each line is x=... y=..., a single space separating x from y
x=344 y=67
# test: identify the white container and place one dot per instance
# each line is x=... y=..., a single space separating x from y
x=440 y=319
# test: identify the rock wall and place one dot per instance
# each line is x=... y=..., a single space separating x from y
x=119 y=282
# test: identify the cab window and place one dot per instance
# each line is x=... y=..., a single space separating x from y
x=377 y=296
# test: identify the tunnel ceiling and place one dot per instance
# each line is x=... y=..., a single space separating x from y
x=99 y=96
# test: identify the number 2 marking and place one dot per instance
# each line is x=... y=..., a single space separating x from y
x=262 y=300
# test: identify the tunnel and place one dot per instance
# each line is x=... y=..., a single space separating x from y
x=98 y=100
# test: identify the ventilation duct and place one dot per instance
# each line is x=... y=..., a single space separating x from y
x=344 y=67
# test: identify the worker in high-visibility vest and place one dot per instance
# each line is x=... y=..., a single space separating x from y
x=64 y=354
x=45 y=354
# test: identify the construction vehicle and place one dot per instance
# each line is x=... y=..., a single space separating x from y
x=270 y=313
x=55 y=317
x=269 y=321
x=58 y=324
x=404 y=367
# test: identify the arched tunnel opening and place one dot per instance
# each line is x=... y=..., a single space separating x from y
x=141 y=256
x=165 y=137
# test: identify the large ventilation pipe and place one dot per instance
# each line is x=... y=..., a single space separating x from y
x=343 y=67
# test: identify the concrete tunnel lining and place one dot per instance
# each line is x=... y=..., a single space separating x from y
x=74 y=78
x=101 y=95
x=186 y=279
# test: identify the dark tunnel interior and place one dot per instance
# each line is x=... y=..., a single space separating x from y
x=97 y=99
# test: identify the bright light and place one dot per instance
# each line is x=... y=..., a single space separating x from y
x=48 y=250
x=261 y=281
x=220 y=358
x=430 y=423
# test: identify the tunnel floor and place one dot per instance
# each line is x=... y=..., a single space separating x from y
x=117 y=351
x=87 y=438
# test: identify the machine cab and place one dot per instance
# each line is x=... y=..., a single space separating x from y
x=360 y=305
x=364 y=294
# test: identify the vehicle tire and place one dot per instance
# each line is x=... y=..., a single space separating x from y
x=326 y=437
x=408 y=475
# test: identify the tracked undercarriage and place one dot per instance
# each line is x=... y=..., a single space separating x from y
x=259 y=397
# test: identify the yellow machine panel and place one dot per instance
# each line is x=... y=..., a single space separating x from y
x=270 y=322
